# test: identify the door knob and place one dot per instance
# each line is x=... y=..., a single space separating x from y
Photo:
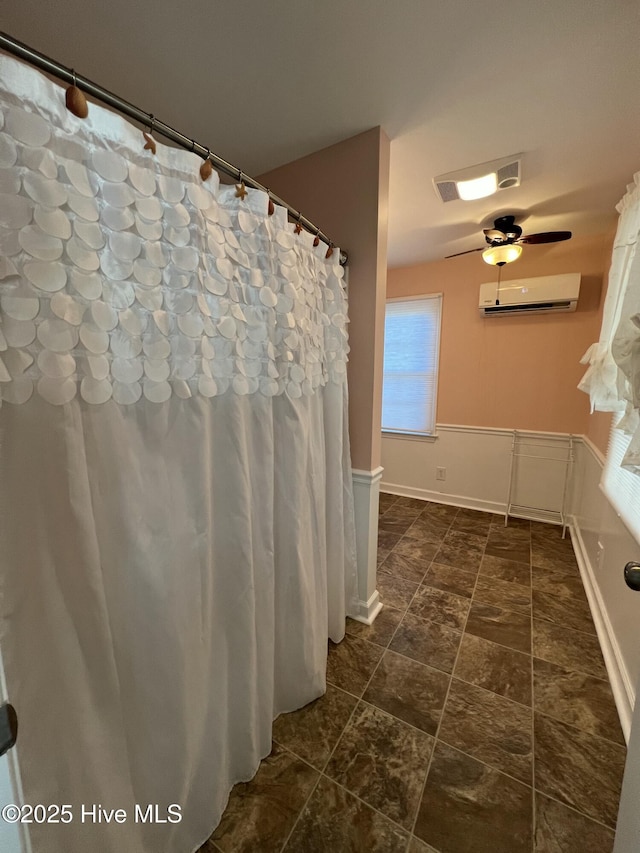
x=632 y=575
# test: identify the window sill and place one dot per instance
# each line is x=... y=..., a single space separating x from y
x=410 y=436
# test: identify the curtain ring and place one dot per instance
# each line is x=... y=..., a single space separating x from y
x=316 y=242
x=75 y=99
x=241 y=190
x=205 y=167
x=150 y=143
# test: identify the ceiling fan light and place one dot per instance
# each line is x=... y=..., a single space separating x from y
x=498 y=255
x=478 y=187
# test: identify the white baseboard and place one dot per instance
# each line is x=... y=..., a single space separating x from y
x=440 y=497
x=621 y=684
x=366 y=492
x=366 y=611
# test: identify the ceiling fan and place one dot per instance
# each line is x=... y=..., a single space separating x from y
x=505 y=241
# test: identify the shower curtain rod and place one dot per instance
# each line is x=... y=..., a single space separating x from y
x=44 y=63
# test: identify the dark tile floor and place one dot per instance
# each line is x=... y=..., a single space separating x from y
x=473 y=716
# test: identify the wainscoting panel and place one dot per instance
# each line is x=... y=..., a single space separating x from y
x=603 y=545
x=477 y=464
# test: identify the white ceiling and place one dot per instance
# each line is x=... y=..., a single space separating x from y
x=452 y=82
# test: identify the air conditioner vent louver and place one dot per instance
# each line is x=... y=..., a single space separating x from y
x=539 y=306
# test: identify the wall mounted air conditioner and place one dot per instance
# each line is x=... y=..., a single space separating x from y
x=543 y=294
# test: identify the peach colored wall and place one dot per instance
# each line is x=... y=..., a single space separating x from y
x=516 y=372
x=343 y=189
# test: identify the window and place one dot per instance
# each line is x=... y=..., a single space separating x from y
x=621 y=486
x=411 y=349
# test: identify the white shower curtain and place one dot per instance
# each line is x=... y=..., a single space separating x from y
x=176 y=520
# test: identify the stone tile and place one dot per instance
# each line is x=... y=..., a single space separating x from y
x=416 y=504
x=562 y=583
x=386 y=501
x=570 y=614
x=445 y=512
x=559 y=596
x=395 y=524
x=566 y=647
x=394 y=591
x=450 y=579
x=549 y=550
x=334 y=820
x=428 y=529
x=496 y=668
x=404 y=567
x=313 y=731
x=382 y=555
x=410 y=691
x=261 y=813
x=550 y=539
x=506 y=570
x=509 y=596
x=462 y=550
x=468 y=807
x=475 y=526
x=500 y=626
x=489 y=728
x=577 y=699
x=386 y=540
x=383 y=761
x=549 y=561
x=546 y=530
x=439 y=606
x=382 y=629
x=579 y=769
x=522 y=524
x=561 y=830
x=351 y=663
x=418 y=846
x=416 y=549
x=427 y=642
x=510 y=546
x=474 y=515
x=399 y=514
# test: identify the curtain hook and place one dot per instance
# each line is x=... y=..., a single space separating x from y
x=241 y=189
x=75 y=99
x=316 y=242
x=150 y=143
x=298 y=228
x=206 y=168
x=270 y=206
x=329 y=251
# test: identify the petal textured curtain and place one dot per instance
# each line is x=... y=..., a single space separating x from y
x=613 y=377
x=176 y=520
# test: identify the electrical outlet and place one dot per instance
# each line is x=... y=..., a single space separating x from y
x=441 y=473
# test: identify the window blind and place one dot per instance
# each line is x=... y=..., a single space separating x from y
x=621 y=486
x=411 y=349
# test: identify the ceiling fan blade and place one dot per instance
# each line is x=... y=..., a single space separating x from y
x=546 y=237
x=468 y=252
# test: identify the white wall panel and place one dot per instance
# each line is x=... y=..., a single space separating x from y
x=477 y=462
